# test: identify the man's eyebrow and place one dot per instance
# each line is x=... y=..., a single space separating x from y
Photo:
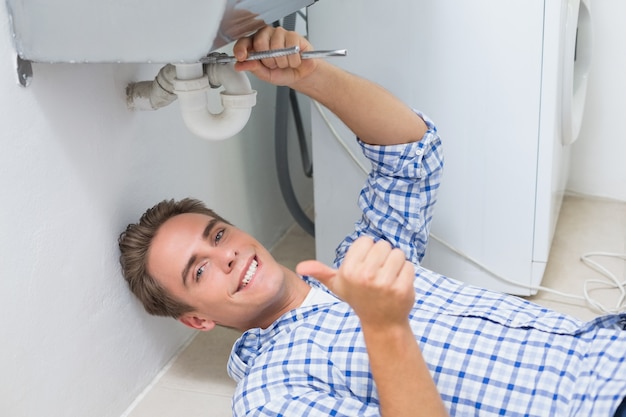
x=209 y=228
x=192 y=260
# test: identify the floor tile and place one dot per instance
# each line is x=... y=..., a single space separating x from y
x=585 y=225
x=165 y=402
x=295 y=247
x=202 y=365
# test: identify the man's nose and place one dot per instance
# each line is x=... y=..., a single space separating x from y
x=227 y=259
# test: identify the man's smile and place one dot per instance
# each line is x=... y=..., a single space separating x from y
x=249 y=274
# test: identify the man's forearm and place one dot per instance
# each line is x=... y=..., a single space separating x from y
x=405 y=386
x=371 y=112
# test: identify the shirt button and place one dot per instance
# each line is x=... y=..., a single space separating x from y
x=419 y=151
x=409 y=227
x=299 y=316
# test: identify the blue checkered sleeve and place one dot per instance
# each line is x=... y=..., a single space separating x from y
x=398 y=198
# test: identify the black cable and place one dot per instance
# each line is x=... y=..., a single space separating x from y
x=285 y=96
x=307 y=165
x=282 y=161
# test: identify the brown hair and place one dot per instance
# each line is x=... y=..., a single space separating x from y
x=134 y=245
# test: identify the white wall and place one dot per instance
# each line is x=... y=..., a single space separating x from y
x=598 y=165
x=75 y=168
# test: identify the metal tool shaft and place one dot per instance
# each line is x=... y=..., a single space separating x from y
x=275 y=53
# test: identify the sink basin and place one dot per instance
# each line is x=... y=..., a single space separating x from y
x=157 y=31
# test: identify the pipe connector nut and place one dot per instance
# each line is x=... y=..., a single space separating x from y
x=239 y=101
x=197 y=84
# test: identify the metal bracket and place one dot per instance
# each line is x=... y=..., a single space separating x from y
x=24 y=72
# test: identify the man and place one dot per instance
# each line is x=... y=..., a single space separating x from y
x=365 y=339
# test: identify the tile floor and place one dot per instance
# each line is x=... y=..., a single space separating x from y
x=197 y=385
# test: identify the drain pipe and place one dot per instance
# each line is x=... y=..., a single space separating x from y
x=152 y=95
x=191 y=86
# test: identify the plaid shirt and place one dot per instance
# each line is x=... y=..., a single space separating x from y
x=489 y=353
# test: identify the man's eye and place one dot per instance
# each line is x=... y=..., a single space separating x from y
x=199 y=273
x=219 y=236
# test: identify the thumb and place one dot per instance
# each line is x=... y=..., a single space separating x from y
x=316 y=269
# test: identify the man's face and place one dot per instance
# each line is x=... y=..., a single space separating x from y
x=227 y=276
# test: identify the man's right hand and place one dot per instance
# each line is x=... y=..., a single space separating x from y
x=284 y=70
x=374 y=279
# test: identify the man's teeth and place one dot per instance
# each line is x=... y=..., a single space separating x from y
x=249 y=273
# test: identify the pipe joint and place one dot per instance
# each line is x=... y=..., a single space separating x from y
x=197 y=84
x=192 y=85
x=242 y=101
x=152 y=95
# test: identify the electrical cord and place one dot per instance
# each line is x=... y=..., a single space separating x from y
x=337 y=136
x=612 y=283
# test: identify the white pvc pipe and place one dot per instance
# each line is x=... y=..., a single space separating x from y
x=238 y=98
x=189 y=71
x=152 y=95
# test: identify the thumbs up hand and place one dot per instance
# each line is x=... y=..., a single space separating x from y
x=374 y=279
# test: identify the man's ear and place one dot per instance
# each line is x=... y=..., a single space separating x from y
x=195 y=322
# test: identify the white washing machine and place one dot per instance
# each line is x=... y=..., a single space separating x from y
x=505 y=83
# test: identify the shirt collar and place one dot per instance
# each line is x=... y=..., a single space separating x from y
x=254 y=341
